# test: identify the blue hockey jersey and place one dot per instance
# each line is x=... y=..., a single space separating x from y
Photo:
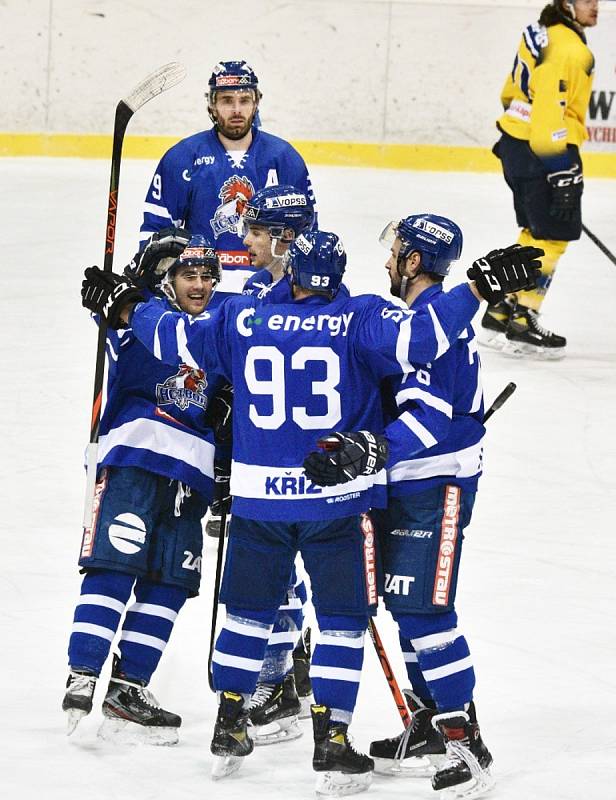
x=199 y=185
x=300 y=370
x=438 y=430
x=155 y=414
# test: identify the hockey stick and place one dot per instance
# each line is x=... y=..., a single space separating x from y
x=164 y=78
x=599 y=244
x=219 y=559
x=500 y=400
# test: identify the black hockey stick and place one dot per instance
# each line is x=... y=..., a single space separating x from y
x=501 y=398
x=606 y=251
x=219 y=559
x=164 y=78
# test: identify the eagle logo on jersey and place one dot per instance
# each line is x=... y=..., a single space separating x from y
x=235 y=192
x=187 y=386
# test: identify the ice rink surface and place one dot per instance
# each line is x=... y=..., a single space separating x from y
x=536 y=597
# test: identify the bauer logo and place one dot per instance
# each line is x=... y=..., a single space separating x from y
x=127 y=533
x=285 y=200
x=434 y=230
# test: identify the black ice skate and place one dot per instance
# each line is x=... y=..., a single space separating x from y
x=77 y=701
x=417 y=751
x=526 y=337
x=494 y=324
x=230 y=742
x=212 y=526
x=133 y=715
x=273 y=712
x=301 y=670
x=342 y=770
x=465 y=773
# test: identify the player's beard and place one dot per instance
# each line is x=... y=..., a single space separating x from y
x=234 y=133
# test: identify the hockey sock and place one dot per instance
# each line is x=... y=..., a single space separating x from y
x=240 y=649
x=284 y=636
x=104 y=595
x=415 y=675
x=147 y=627
x=336 y=664
x=553 y=251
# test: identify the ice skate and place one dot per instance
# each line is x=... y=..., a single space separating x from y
x=230 y=742
x=301 y=670
x=465 y=772
x=77 y=702
x=273 y=712
x=212 y=526
x=134 y=716
x=494 y=325
x=417 y=751
x=341 y=769
x=526 y=337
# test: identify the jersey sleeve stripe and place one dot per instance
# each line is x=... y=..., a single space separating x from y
x=157 y=211
x=182 y=345
x=421 y=432
x=441 y=338
x=415 y=393
x=402 y=345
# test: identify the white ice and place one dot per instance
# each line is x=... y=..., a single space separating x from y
x=536 y=597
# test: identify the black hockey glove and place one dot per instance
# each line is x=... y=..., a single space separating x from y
x=221 y=504
x=107 y=294
x=218 y=415
x=346 y=456
x=567 y=186
x=504 y=271
x=151 y=263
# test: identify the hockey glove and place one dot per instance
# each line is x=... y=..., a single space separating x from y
x=150 y=264
x=218 y=415
x=221 y=504
x=504 y=271
x=108 y=294
x=567 y=186
x=345 y=457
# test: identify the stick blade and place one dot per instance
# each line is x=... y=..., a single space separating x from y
x=165 y=77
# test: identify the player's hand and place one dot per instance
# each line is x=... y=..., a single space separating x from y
x=504 y=271
x=345 y=456
x=151 y=263
x=108 y=294
x=218 y=415
x=567 y=186
x=221 y=504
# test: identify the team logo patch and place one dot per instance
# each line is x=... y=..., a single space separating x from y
x=187 y=387
x=447 y=547
x=127 y=533
x=235 y=192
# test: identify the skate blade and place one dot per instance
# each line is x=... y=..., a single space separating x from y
x=476 y=787
x=517 y=350
x=223 y=766
x=491 y=339
x=121 y=731
x=306 y=702
x=73 y=718
x=340 y=784
x=282 y=730
x=421 y=767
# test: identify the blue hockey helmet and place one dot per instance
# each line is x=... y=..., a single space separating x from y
x=438 y=239
x=232 y=76
x=279 y=209
x=198 y=253
x=316 y=260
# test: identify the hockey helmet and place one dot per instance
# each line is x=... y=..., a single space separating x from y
x=278 y=208
x=316 y=260
x=438 y=239
x=232 y=76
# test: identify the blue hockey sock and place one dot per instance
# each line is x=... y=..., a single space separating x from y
x=240 y=649
x=415 y=676
x=147 y=627
x=336 y=664
x=284 y=636
x=104 y=595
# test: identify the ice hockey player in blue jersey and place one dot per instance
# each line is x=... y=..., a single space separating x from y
x=435 y=460
x=155 y=481
x=301 y=369
x=204 y=181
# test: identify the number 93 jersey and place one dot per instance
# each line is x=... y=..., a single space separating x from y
x=301 y=369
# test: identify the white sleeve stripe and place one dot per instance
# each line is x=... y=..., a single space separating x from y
x=448 y=669
x=154 y=611
x=182 y=344
x=530 y=44
x=442 y=341
x=158 y=211
x=142 y=638
x=420 y=431
x=402 y=345
x=102 y=600
x=431 y=400
x=435 y=640
x=93 y=630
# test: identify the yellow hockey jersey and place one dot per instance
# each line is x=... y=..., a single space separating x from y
x=546 y=96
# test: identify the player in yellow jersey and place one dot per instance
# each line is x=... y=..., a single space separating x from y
x=546 y=99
